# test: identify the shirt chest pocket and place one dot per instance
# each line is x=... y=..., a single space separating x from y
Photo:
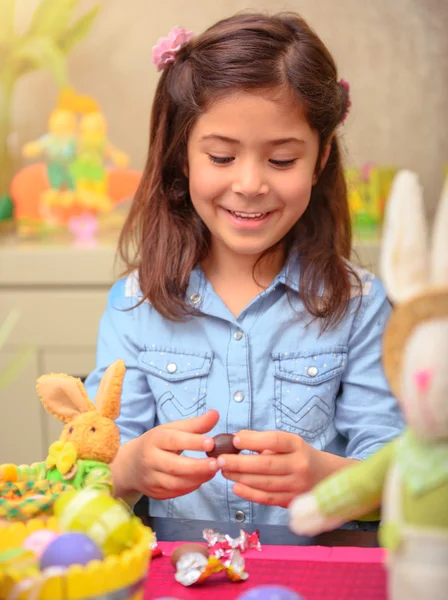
x=306 y=385
x=178 y=381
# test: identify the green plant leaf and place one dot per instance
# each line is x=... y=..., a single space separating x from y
x=51 y=17
x=15 y=366
x=8 y=325
x=36 y=53
x=6 y=21
x=78 y=30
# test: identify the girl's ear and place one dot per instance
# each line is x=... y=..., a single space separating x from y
x=404 y=262
x=108 y=397
x=323 y=161
x=63 y=396
x=439 y=249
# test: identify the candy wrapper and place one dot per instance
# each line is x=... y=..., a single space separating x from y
x=154 y=547
x=194 y=565
x=222 y=545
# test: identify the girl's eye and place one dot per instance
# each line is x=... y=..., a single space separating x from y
x=93 y=429
x=283 y=163
x=70 y=430
x=220 y=160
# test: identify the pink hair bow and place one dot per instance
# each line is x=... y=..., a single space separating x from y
x=164 y=52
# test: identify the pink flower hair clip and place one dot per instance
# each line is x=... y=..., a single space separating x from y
x=164 y=52
x=349 y=102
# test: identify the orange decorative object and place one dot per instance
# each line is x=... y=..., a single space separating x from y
x=10 y=473
x=31 y=182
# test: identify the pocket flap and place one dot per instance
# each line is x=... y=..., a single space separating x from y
x=310 y=367
x=174 y=365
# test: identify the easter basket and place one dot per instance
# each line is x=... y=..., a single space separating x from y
x=116 y=577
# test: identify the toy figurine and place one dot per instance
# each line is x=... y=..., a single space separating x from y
x=81 y=457
x=409 y=476
x=89 y=167
x=59 y=148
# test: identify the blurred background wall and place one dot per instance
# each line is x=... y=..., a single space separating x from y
x=394 y=53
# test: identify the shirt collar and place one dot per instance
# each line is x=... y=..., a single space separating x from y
x=288 y=276
x=290 y=273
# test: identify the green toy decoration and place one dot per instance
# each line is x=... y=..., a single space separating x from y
x=408 y=478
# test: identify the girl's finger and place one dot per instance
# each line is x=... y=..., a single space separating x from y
x=280 y=442
x=175 y=440
x=184 y=466
x=257 y=464
x=164 y=486
x=257 y=496
x=272 y=483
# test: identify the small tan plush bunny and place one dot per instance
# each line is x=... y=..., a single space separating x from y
x=89 y=440
x=409 y=476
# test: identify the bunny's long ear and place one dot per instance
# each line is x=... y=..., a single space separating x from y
x=63 y=396
x=404 y=262
x=439 y=249
x=108 y=397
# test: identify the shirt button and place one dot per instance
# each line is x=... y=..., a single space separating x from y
x=240 y=516
x=171 y=367
x=312 y=371
x=195 y=298
x=238 y=396
x=238 y=335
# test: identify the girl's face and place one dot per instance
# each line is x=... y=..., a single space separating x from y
x=251 y=165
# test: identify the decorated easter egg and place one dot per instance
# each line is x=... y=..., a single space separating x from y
x=223 y=445
x=39 y=540
x=105 y=520
x=270 y=592
x=70 y=549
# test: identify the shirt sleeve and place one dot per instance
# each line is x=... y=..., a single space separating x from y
x=119 y=338
x=367 y=414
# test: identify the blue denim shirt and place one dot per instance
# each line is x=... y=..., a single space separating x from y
x=269 y=368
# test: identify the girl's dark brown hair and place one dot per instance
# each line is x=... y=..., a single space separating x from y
x=163 y=236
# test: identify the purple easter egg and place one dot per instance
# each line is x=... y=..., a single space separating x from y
x=270 y=592
x=70 y=549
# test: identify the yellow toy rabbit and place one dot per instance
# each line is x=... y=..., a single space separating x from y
x=409 y=476
x=87 y=445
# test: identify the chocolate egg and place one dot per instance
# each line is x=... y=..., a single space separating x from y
x=223 y=445
x=188 y=549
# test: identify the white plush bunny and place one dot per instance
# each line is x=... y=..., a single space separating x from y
x=409 y=476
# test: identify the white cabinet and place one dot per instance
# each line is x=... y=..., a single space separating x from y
x=60 y=292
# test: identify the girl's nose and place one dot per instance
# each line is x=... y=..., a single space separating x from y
x=250 y=182
x=422 y=379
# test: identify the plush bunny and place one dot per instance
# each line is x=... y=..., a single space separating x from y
x=89 y=440
x=409 y=476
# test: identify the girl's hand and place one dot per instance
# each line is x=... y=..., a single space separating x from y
x=153 y=463
x=284 y=467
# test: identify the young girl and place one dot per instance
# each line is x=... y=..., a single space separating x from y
x=241 y=312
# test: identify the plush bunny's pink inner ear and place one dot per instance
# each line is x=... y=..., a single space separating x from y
x=108 y=398
x=63 y=396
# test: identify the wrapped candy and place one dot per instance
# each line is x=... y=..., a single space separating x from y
x=222 y=545
x=194 y=564
x=155 y=548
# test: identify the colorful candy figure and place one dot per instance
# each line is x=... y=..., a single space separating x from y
x=58 y=147
x=89 y=167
